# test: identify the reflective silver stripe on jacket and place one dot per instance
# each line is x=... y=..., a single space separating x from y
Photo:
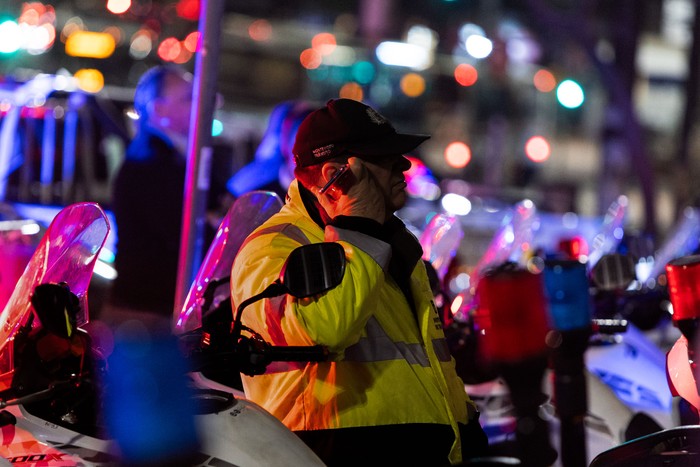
x=377 y=346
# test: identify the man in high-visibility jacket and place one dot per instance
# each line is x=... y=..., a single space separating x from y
x=390 y=394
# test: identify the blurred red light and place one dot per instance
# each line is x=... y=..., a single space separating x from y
x=260 y=30
x=574 y=247
x=169 y=49
x=188 y=9
x=544 y=81
x=683 y=279
x=310 y=59
x=537 y=149
x=324 y=43
x=465 y=74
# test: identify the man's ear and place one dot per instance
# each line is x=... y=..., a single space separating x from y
x=328 y=169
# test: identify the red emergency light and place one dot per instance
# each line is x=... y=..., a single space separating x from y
x=684 y=287
x=512 y=315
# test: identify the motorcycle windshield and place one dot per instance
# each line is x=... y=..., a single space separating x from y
x=245 y=215
x=510 y=243
x=440 y=241
x=67 y=253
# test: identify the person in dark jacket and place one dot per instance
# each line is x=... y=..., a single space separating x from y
x=147 y=198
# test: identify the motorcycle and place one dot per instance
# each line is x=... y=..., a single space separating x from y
x=678 y=445
x=65 y=404
x=622 y=402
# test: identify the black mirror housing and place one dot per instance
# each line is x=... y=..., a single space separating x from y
x=313 y=269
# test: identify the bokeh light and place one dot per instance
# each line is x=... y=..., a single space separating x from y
x=90 y=80
x=188 y=9
x=544 y=81
x=10 y=37
x=116 y=33
x=90 y=44
x=141 y=44
x=217 y=127
x=72 y=24
x=118 y=6
x=412 y=84
x=191 y=42
x=363 y=72
x=537 y=149
x=478 y=46
x=457 y=154
x=324 y=43
x=570 y=94
x=352 y=91
x=456 y=204
x=310 y=59
x=466 y=74
x=169 y=49
x=260 y=30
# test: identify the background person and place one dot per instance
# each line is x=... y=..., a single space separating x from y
x=391 y=388
x=147 y=198
x=272 y=168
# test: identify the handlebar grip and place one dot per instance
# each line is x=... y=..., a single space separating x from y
x=297 y=353
x=609 y=326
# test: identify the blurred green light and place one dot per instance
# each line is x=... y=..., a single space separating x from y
x=363 y=72
x=318 y=74
x=217 y=127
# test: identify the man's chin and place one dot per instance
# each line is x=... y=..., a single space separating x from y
x=399 y=200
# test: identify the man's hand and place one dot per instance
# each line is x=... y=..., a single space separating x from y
x=364 y=198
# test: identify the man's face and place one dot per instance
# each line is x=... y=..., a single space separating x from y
x=388 y=171
x=174 y=105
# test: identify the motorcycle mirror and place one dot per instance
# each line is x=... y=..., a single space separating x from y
x=313 y=269
x=613 y=272
x=309 y=270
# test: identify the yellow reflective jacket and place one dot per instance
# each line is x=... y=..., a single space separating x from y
x=385 y=369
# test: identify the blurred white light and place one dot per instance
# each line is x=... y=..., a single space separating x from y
x=10 y=37
x=470 y=29
x=341 y=55
x=105 y=270
x=422 y=36
x=141 y=45
x=570 y=94
x=456 y=204
x=38 y=38
x=30 y=229
x=403 y=54
x=478 y=46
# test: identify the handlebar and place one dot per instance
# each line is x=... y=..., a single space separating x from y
x=297 y=353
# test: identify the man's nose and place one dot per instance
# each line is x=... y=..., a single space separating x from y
x=403 y=164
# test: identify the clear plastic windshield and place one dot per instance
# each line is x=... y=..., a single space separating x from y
x=245 y=215
x=440 y=241
x=611 y=232
x=511 y=242
x=67 y=253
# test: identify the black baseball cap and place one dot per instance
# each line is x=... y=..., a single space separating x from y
x=348 y=126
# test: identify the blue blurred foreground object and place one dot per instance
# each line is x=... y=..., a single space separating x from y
x=149 y=406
